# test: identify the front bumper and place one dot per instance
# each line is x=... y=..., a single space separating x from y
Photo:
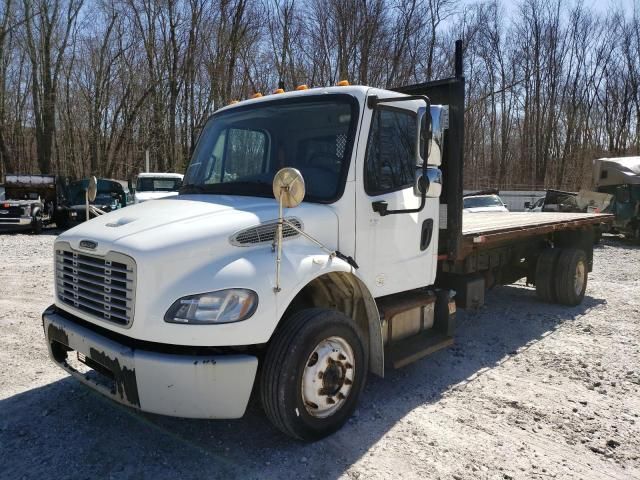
x=191 y=386
x=15 y=222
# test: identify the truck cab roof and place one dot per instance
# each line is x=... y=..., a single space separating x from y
x=358 y=91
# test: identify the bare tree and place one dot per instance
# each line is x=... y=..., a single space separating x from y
x=47 y=37
x=89 y=87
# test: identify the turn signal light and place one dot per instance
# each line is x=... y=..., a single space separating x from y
x=302 y=87
x=343 y=83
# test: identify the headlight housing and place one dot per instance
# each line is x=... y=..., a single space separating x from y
x=222 y=306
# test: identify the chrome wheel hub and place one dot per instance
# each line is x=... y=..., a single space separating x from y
x=578 y=279
x=328 y=377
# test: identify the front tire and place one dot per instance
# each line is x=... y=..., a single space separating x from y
x=313 y=373
x=37 y=225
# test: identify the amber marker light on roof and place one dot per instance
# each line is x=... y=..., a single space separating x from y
x=343 y=83
x=233 y=102
x=302 y=87
x=256 y=95
x=278 y=90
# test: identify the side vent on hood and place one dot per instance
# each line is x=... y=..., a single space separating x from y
x=264 y=233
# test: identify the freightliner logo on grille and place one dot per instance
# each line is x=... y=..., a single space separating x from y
x=88 y=244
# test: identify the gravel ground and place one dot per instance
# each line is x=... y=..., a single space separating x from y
x=528 y=391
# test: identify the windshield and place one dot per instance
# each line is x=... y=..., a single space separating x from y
x=158 y=184
x=484 y=201
x=240 y=150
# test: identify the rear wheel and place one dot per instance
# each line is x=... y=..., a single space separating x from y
x=545 y=274
x=597 y=235
x=571 y=278
x=313 y=373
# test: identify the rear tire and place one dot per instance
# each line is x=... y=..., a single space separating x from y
x=545 y=274
x=37 y=225
x=597 y=235
x=571 y=277
x=313 y=373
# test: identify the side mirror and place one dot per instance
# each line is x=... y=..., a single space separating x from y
x=288 y=187
x=439 y=123
x=92 y=188
x=429 y=182
x=423 y=136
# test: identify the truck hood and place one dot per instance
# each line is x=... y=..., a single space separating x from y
x=193 y=221
x=144 y=196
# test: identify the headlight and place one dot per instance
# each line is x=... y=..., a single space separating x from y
x=26 y=210
x=223 y=306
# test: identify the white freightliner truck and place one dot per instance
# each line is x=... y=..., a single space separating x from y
x=184 y=306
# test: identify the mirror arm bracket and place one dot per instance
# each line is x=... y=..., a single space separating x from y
x=381 y=207
x=347 y=259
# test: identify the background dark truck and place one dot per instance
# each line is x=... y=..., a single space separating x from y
x=111 y=195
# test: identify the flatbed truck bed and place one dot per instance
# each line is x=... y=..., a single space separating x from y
x=503 y=247
x=493 y=227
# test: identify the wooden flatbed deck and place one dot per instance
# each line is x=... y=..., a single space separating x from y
x=491 y=227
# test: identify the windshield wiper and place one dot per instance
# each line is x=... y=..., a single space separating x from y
x=242 y=187
x=247 y=182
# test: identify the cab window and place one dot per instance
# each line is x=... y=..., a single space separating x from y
x=238 y=153
x=390 y=163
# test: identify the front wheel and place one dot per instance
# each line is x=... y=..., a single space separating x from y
x=313 y=373
x=36 y=224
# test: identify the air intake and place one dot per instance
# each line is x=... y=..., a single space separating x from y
x=100 y=286
x=264 y=233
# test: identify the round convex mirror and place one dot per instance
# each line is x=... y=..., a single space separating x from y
x=288 y=187
x=92 y=188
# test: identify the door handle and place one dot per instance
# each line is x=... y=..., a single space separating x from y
x=427 y=233
x=380 y=206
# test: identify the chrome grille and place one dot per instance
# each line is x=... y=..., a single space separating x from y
x=103 y=287
x=265 y=233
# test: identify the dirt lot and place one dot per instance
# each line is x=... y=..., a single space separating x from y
x=529 y=391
